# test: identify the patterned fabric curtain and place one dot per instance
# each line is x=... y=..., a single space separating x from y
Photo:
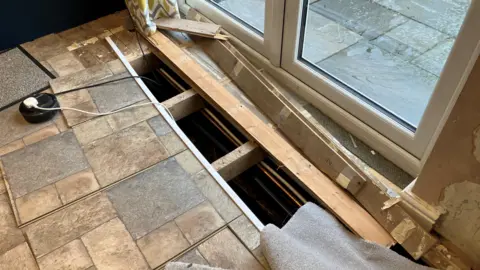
x=145 y=12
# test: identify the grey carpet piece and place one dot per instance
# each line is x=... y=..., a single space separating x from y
x=314 y=239
x=19 y=77
x=188 y=266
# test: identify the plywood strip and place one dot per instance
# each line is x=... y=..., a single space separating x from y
x=202 y=29
x=331 y=195
x=239 y=160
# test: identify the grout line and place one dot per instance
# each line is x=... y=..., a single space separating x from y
x=223 y=184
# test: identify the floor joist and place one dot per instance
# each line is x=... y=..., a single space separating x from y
x=184 y=104
x=239 y=160
x=332 y=196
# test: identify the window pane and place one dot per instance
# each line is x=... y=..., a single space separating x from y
x=387 y=52
x=249 y=12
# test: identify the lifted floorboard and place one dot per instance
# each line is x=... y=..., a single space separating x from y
x=332 y=196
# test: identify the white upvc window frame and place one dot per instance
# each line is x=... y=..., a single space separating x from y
x=405 y=148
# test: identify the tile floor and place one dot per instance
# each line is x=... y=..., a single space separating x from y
x=392 y=51
x=111 y=192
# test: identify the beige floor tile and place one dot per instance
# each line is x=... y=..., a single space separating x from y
x=245 y=230
x=76 y=186
x=199 y=222
x=111 y=247
x=224 y=250
x=61 y=122
x=85 y=77
x=193 y=256
x=37 y=203
x=41 y=134
x=258 y=253
x=72 y=256
x=68 y=224
x=92 y=130
x=13 y=146
x=65 y=64
x=117 y=67
x=75 y=117
x=46 y=47
x=124 y=153
x=162 y=244
x=189 y=162
x=10 y=234
x=18 y=258
x=217 y=197
x=86 y=56
x=74 y=98
x=46 y=65
x=132 y=116
x=173 y=143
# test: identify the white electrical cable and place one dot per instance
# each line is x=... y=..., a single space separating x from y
x=107 y=113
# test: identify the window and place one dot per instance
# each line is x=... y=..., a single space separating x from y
x=387 y=69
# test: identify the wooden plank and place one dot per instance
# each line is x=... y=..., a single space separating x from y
x=239 y=160
x=202 y=29
x=322 y=154
x=184 y=104
x=332 y=196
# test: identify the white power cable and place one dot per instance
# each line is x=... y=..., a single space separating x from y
x=101 y=114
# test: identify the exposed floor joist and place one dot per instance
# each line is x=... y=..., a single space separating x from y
x=184 y=104
x=239 y=160
x=332 y=196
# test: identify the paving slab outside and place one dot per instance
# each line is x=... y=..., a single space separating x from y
x=391 y=51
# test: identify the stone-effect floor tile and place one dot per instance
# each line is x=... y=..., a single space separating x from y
x=76 y=186
x=68 y=224
x=132 y=116
x=85 y=77
x=258 y=253
x=72 y=256
x=86 y=57
x=13 y=146
x=46 y=47
x=154 y=197
x=364 y=17
x=434 y=60
x=173 y=143
x=193 y=256
x=217 y=197
x=74 y=98
x=224 y=250
x=189 y=162
x=92 y=130
x=37 y=203
x=116 y=95
x=61 y=123
x=160 y=126
x=14 y=126
x=33 y=167
x=117 y=67
x=10 y=234
x=111 y=247
x=124 y=153
x=42 y=134
x=199 y=222
x=247 y=233
x=18 y=258
x=395 y=84
x=324 y=37
x=74 y=117
x=65 y=64
x=416 y=35
x=162 y=244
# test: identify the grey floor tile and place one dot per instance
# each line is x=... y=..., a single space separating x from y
x=364 y=17
x=43 y=163
x=193 y=256
x=19 y=76
x=154 y=197
x=124 y=153
x=434 y=60
x=113 y=96
x=250 y=11
x=383 y=77
x=159 y=125
x=444 y=16
x=14 y=126
x=246 y=231
x=324 y=37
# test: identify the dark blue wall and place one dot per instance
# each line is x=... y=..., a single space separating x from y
x=26 y=20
